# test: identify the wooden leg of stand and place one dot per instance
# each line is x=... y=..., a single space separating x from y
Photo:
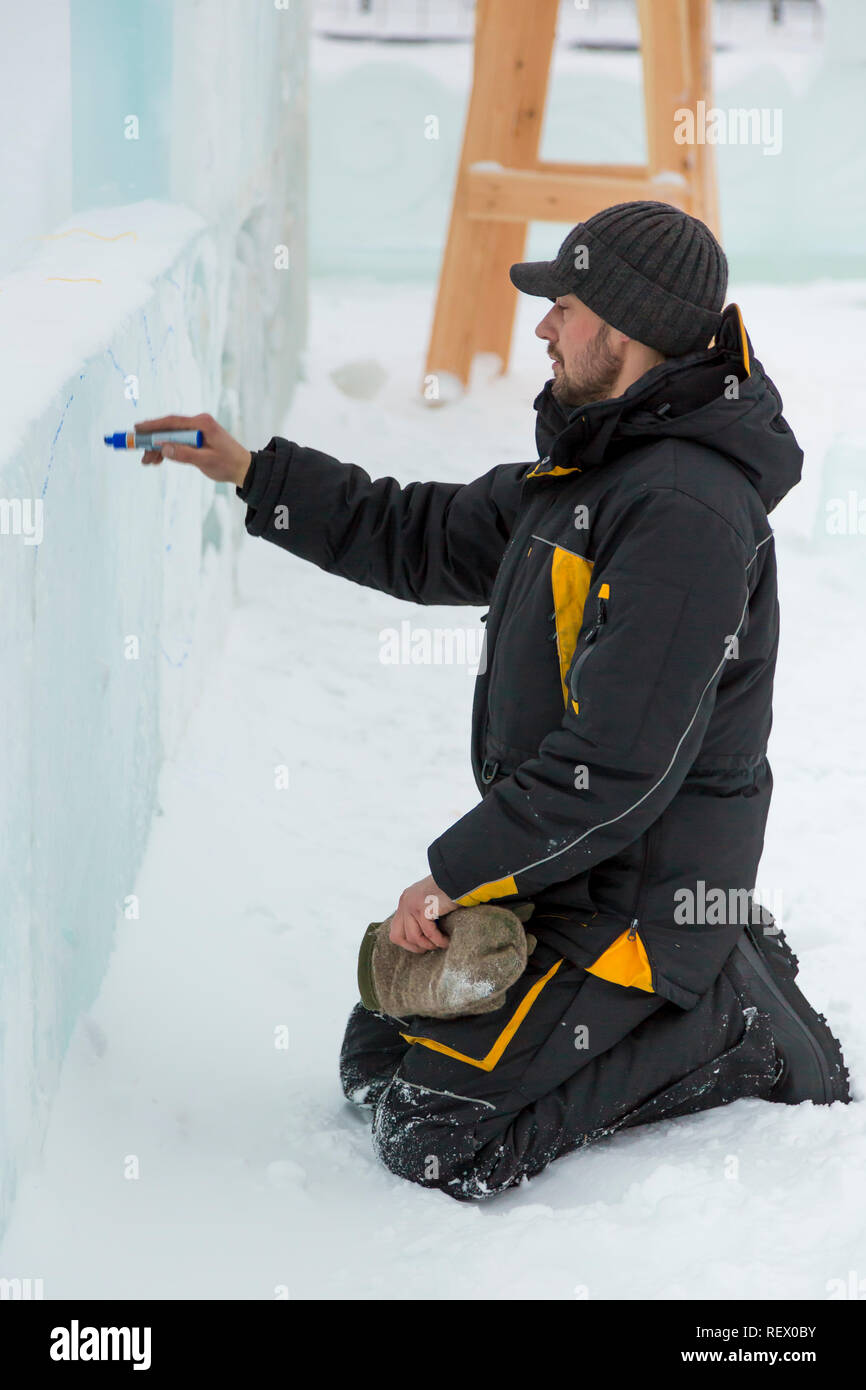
x=701 y=48
x=667 y=86
x=476 y=302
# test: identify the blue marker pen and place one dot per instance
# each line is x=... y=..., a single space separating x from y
x=130 y=439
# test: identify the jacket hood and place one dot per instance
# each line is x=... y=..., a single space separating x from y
x=720 y=397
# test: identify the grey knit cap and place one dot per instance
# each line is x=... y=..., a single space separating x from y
x=649 y=270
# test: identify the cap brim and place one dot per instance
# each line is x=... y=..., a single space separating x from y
x=536 y=277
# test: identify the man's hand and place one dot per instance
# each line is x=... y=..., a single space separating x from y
x=412 y=926
x=221 y=457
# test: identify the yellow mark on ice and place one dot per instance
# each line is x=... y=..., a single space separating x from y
x=84 y=231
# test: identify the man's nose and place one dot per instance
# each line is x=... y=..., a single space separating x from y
x=544 y=329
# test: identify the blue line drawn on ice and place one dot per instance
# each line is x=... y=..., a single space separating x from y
x=177 y=664
x=81 y=377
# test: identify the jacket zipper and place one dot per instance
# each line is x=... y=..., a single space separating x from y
x=600 y=620
x=643 y=882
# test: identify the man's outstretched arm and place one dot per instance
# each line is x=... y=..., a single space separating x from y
x=425 y=542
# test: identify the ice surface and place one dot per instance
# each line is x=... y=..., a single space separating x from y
x=107 y=621
x=116 y=590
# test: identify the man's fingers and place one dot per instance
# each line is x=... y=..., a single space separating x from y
x=423 y=933
x=429 y=929
x=167 y=422
x=413 y=937
x=185 y=453
x=404 y=932
x=400 y=940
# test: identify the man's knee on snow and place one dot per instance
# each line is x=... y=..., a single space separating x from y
x=356 y=1080
x=360 y=1086
x=371 y=1052
x=421 y=1136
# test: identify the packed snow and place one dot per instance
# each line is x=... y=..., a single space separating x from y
x=192 y=1154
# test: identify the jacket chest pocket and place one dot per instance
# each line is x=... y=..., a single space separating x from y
x=532 y=648
x=622 y=667
x=570 y=580
x=600 y=618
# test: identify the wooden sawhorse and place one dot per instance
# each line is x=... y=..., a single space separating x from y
x=502 y=185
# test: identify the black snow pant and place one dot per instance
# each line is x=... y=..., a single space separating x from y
x=474 y=1105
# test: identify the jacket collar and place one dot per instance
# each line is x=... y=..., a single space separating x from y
x=563 y=434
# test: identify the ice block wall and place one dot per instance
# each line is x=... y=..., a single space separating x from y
x=174 y=281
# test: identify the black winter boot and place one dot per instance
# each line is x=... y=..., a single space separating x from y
x=812 y=1066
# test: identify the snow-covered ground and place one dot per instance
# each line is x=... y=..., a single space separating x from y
x=255 y=1179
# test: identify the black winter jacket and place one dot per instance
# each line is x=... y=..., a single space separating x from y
x=624 y=699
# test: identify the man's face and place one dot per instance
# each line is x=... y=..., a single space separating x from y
x=586 y=364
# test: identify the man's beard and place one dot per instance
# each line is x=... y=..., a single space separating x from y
x=593 y=375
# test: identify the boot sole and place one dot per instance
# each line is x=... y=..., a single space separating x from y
x=813 y=1066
